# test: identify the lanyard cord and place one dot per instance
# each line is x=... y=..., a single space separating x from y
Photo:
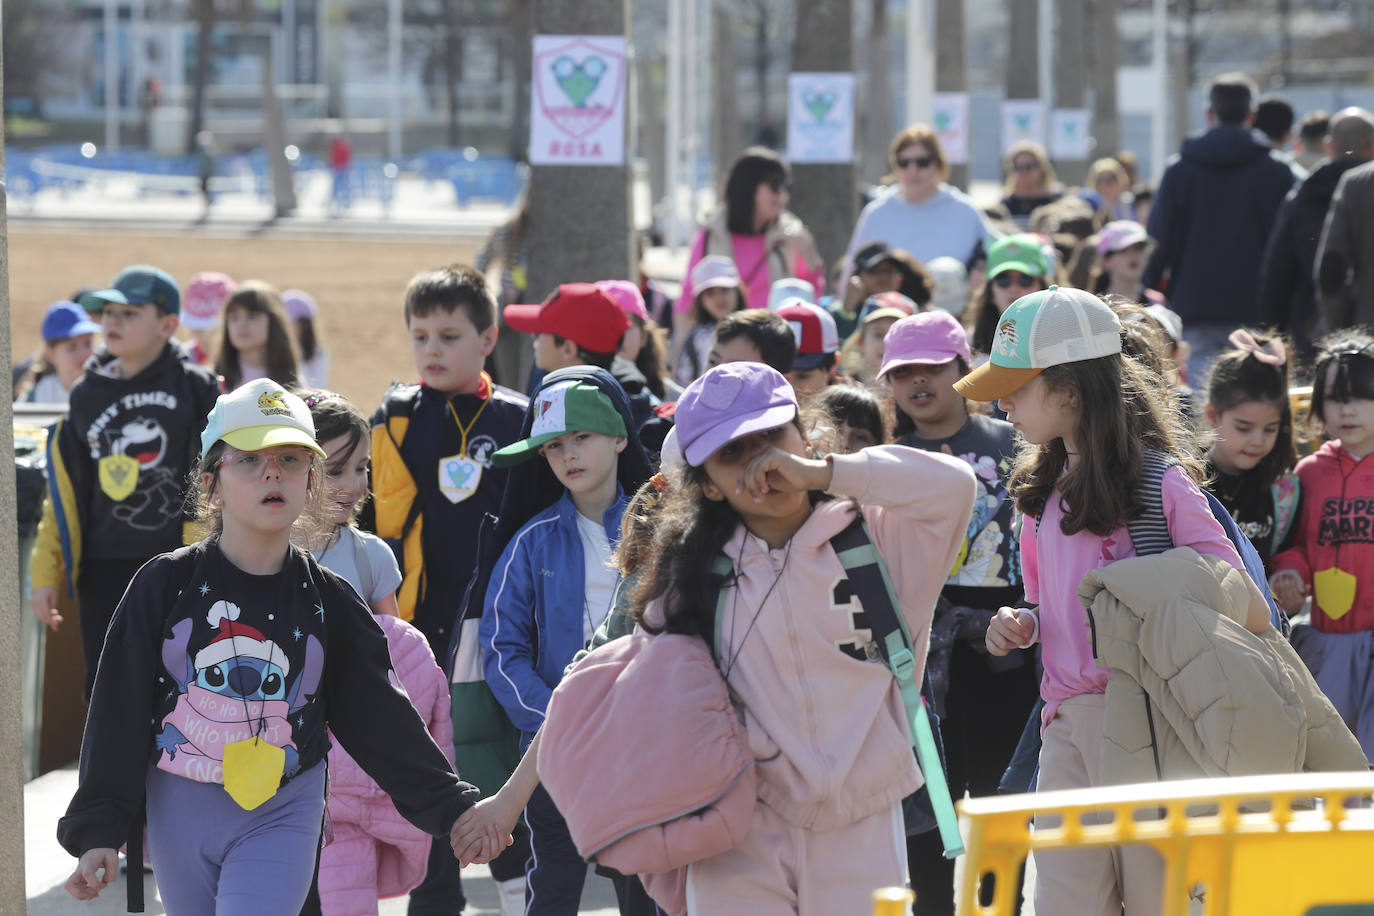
x=734 y=603
x=464 y=430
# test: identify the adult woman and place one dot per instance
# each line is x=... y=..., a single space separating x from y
x=755 y=230
x=920 y=213
x=1031 y=182
x=1108 y=191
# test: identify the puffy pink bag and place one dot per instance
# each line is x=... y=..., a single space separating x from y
x=647 y=760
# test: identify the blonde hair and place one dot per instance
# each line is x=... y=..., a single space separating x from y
x=913 y=134
x=1042 y=159
x=1107 y=165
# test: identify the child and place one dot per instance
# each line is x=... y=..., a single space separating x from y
x=847 y=418
x=818 y=347
x=828 y=726
x=1251 y=461
x=1122 y=246
x=68 y=335
x=876 y=269
x=789 y=288
x=983 y=702
x=302 y=311
x=255 y=338
x=644 y=343
x=433 y=484
x=1086 y=415
x=553 y=584
x=117 y=464
x=1330 y=557
x=949 y=284
x=202 y=304
x=862 y=354
x=755 y=336
x=374 y=853
x=229 y=659
x=1016 y=266
x=717 y=293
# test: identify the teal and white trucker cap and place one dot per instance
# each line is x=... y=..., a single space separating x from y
x=1045 y=328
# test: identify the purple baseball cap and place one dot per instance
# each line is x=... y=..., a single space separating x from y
x=299 y=304
x=627 y=296
x=929 y=339
x=729 y=402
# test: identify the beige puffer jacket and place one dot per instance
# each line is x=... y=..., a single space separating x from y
x=1192 y=692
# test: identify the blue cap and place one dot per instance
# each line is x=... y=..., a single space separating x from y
x=67 y=319
x=142 y=284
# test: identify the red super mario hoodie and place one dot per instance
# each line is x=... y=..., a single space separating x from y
x=1336 y=528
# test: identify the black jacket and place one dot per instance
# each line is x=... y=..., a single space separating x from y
x=1211 y=219
x=1287 y=296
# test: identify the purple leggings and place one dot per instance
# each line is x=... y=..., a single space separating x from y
x=213 y=857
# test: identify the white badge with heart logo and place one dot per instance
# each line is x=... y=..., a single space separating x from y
x=459 y=476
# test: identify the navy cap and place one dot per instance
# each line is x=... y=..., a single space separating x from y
x=67 y=319
x=141 y=284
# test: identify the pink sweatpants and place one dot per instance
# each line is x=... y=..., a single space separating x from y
x=781 y=868
x=1089 y=882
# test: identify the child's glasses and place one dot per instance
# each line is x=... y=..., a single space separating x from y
x=294 y=462
x=1007 y=279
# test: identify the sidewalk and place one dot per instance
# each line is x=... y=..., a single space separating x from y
x=47 y=867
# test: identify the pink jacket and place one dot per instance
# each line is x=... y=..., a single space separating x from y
x=367 y=826
x=828 y=729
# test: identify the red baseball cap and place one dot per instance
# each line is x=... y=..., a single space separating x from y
x=581 y=312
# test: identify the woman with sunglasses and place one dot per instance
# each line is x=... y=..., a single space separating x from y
x=755 y=230
x=1017 y=265
x=1031 y=182
x=919 y=213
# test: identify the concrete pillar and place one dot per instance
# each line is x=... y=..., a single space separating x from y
x=1105 y=59
x=951 y=65
x=12 y=898
x=1023 y=53
x=826 y=195
x=580 y=222
x=1070 y=39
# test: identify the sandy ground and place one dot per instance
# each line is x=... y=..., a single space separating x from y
x=358 y=282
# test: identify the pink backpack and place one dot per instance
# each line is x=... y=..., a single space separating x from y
x=646 y=721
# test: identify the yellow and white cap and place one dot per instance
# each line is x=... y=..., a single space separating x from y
x=257 y=415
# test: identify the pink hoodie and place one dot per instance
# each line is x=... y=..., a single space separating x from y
x=827 y=729
x=367 y=825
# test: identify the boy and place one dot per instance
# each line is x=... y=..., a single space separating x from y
x=433 y=481
x=550 y=590
x=818 y=346
x=117 y=464
x=754 y=336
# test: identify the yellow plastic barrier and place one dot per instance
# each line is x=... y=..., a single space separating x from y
x=1249 y=845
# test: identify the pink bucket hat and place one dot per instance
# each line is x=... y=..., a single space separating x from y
x=203 y=298
x=927 y=339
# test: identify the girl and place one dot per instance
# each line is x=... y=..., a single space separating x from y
x=1107 y=190
x=374 y=853
x=1331 y=552
x=68 y=339
x=847 y=418
x=983 y=703
x=716 y=293
x=1031 y=182
x=1122 y=246
x=255 y=338
x=234 y=656
x=826 y=725
x=302 y=311
x=862 y=354
x=1086 y=414
x=1016 y=266
x=1251 y=461
x=645 y=343
x=201 y=304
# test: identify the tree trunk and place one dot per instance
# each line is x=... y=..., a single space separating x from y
x=951 y=65
x=274 y=140
x=763 y=59
x=522 y=59
x=1069 y=40
x=452 y=67
x=1023 y=55
x=724 y=93
x=200 y=76
x=877 y=104
x=1105 y=59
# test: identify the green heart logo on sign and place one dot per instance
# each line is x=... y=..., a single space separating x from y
x=819 y=104
x=1023 y=122
x=579 y=80
x=942 y=120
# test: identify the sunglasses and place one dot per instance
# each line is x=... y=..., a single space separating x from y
x=917 y=162
x=778 y=185
x=1025 y=166
x=1012 y=277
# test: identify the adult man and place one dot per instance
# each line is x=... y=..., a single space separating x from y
x=1287 y=297
x=1344 y=263
x=1211 y=218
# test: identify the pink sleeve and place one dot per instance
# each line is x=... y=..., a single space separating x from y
x=684 y=302
x=1190 y=519
x=1030 y=561
x=815 y=277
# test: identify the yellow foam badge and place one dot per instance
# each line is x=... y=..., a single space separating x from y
x=1335 y=591
x=118 y=476
x=252 y=771
x=959 y=560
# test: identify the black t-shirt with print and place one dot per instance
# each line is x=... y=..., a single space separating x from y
x=1250 y=502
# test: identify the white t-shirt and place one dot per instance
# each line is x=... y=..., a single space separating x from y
x=600 y=576
x=314 y=371
x=341 y=557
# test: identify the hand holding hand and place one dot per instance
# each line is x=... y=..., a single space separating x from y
x=483 y=831
x=1289 y=590
x=1011 y=629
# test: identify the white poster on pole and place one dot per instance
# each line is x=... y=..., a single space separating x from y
x=949 y=117
x=1070 y=133
x=577 y=102
x=820 y=117
x=1022 y=119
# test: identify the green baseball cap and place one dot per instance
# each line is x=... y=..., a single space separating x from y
x=1021 y=252
x=564 y=408
x=1045 y=328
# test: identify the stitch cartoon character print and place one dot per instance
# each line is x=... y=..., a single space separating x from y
x=235 y=675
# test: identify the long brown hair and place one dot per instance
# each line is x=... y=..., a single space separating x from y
x=257 y=297
x=1123 y=409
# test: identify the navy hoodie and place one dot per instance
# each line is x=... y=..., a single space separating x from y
x=1211 y=219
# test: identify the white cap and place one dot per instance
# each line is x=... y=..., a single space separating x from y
x=713 y=271
x=950 y=280
x=790 y=288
